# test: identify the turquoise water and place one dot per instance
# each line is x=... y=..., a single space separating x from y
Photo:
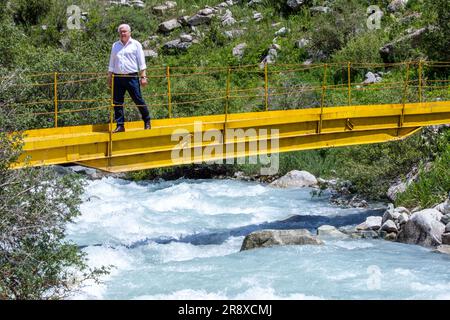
x=181 y=240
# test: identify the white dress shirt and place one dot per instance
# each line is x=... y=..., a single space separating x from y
x=128 y=58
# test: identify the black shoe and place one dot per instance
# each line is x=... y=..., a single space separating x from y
x=119 y=129
x=147 y=125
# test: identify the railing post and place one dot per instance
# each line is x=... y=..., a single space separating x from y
x=111 y=111
x=169 y=96
x=420 y=81
x=405 y=93
x=349 y=84
x=55 y=95
x=322 y=101
x=266 y=86
x=227 y=101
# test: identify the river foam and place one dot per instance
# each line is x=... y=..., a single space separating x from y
x=181 y=240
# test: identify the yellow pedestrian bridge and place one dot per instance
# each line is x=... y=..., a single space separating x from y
x=209 y=114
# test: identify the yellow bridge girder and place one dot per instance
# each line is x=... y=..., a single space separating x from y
x=191 y=137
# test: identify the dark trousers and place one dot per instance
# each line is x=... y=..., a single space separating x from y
x=132 y=85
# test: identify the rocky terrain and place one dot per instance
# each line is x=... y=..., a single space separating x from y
x=429 y=227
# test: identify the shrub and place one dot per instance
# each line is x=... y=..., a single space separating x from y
x=435 y=44
x=30 y=12
x=36 y=204
x=431 y=186
x=36 y=262
x=372 y=168
x=331 y=31
x=362 y=49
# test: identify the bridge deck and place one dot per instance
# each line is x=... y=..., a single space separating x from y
x=177 y=141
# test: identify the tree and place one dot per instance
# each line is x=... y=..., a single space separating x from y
x=437 y=14
x=36 y=204
x=29 y=12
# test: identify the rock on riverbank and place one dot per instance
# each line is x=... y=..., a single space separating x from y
x=429 y=227
x=295 y=179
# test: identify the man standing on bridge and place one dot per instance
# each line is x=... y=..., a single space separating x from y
x=127 y=63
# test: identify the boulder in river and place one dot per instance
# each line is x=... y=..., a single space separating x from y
x=423 y=228
x=443 y=249
x=371 y=223
x=294 y=179
x=444 y=207
x=389 y=226
x=390 y=236
x=327 y=231
x=446 y=238
x=403 y=218
x=270 y=238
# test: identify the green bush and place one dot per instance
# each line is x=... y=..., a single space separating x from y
x=362 y=49
x=435 y=43
x=318 y=162
x=12 y=44
x=36 y=261
x=30 y=12
x=331 y=31
x=372 y=168
x=432 y=186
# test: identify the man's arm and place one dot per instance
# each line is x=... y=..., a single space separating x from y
x=140 y=57
x=142 y=65
x=111 y=67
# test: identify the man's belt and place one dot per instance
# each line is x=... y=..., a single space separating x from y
x=126 y=74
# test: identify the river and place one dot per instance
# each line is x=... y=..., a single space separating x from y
x=181 y=240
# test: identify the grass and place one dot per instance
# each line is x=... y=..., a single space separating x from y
x=433 y=186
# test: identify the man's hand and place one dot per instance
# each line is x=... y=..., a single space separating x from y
x=144 y=81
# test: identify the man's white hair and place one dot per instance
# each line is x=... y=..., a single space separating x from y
x=124 y=25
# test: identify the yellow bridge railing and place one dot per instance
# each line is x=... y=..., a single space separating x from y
x=310 y=106
x=191 y=91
